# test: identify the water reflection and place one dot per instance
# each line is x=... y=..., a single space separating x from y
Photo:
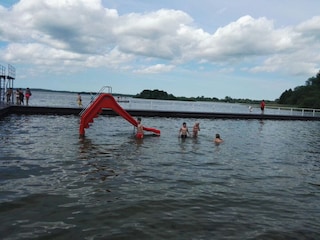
x=85 y=145
x=261 y=123
x=195 y=144
x=139 y=141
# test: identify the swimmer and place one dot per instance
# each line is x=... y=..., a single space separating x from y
x=196 y=129
x=218 y=139
x=139 y=133
x=183 y=131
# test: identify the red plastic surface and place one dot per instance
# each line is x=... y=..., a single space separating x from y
x=106 y=100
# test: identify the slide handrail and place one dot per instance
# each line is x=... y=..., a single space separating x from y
x=95 y=96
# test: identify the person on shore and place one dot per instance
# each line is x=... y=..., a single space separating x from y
x=183 y=131
x=17 y=94
x=140 y=132
x=262 y=106
x=21 y=96
x=79 y=100
x=28 y=95
x=218 y=139
x=196 y=129
x=9 y=93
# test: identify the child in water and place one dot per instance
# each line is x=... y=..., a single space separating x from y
x=218 y=139
x=196 y=129
x=139 y=133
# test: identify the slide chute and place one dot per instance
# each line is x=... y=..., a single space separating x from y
x=106 y=100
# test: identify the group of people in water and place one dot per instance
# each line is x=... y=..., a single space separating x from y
x=20 y=95
x=183 y=131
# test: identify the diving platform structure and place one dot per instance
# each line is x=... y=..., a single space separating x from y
x=6 y=83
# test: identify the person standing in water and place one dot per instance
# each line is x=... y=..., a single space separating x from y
x=196 y=129
x=218 y=139
x=183 y=131
x=140 y=132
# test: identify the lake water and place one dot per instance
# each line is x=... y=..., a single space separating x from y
x=65 y=99
x=262 y=182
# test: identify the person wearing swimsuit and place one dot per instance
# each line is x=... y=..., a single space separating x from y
x=184 y=132
x=196 y=129
x=218 y=139
x=139 y=133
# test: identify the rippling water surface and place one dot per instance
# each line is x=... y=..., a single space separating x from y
x=263 y=182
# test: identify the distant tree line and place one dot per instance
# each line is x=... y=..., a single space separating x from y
x=303 y=96
x=159 y=94
x=307 y=96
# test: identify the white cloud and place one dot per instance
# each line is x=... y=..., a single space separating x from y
x=311 y=25
x=158 y=68
x=85 y=34
x=90 y=30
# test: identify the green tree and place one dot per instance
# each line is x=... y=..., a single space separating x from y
x=303 y=96
x=155 y=94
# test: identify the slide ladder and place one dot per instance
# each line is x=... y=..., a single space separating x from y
x=94 y=109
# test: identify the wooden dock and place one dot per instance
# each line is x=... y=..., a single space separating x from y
x=6 y=110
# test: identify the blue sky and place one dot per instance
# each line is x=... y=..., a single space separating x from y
x=252 y=49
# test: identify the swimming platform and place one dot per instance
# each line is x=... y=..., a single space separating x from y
x=6 y=110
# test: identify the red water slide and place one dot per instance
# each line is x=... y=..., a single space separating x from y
x=106 y=100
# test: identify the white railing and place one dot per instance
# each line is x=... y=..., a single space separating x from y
x=294 y=111
x=129 y=103
x=93 y=97
x=164 y=105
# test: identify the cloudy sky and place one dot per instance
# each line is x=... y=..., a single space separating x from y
x=252 y=49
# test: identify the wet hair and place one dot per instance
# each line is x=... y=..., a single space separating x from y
x=217 y=135
x=139 y=119
x=183 y=123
